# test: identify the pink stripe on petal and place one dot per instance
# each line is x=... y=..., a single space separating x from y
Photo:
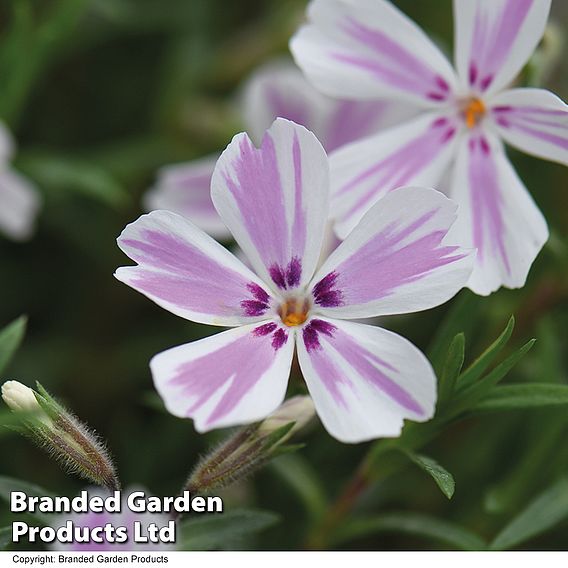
x=364 y=380
x=188 y=277
x=274 y=199
x=396 y=260
x=534 y=121
x=285 y=106
x=352 y=120
x=370 y=50
x=495 y=38
x=370 y=367
x=551 y=138
x=186 y=189
x=280 y=89
x=399 y=167
x=492 y=40
x=188 y=273
x=258 y=184
x=497 y=215
x=384 y=264
x=486 y=202
x=235 y=377
x=299 y=229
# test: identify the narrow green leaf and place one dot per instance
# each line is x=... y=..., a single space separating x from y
x=478 y=367
x=443 y=478
x=452 y=367
x=10 y=338
x=62 y=174
x=546 y=511
x=11 y=420
x=216 y=532
x=414 y=524
x=9 y=484
x=524 y=395
x=299 y=475
x=460 y=318
x=274 y=437
x=469 y=397
x=5 y=537
x=286 y=449
x=545 y=435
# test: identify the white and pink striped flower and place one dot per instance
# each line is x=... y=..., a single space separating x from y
x=369 y=50
x=277 y=89
x=364 y=380
x=19 y=200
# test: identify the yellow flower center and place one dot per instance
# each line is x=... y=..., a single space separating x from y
x=294 y=311
x=474 y=110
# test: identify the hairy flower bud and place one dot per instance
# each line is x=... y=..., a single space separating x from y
x=58 y=432
x=251 y=447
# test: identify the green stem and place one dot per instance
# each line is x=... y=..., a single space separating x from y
x=367 y=474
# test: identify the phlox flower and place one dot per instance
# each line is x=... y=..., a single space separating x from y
x=369 y=50
x=276 y=89
x=363 y=380
x=19 y=201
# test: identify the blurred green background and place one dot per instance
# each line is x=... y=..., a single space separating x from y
x=99 y=94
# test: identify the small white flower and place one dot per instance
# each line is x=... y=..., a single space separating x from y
x=367 y=50
x=364 y=381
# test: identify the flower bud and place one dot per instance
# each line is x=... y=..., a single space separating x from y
x=19 y=397
x=57 y=431
x=298 y=409
x=251 y=447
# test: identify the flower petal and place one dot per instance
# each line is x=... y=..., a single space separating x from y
x=368 y=49
x=275 y=201
x=364 y=380
x=19 y=204
x=188 y=273
x=234 y=377
x=533 y=120
x=397 y=260
x=279 y=89
x=186 y=189
x=495 y=38
x=497 y=215
x=418 y=152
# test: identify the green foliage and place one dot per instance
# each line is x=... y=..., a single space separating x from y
x=452 y=367
x=473 y=373
x=223 y=531
x=295 y=471
x=524 y=395
x=60 y=175
x=469 y=396
x=10 y=339
x=5 y=537
x=415 y=524
x=443 y=478
x=542 y=514
x=11 y=421
x=461 y=318
x=29 y=48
